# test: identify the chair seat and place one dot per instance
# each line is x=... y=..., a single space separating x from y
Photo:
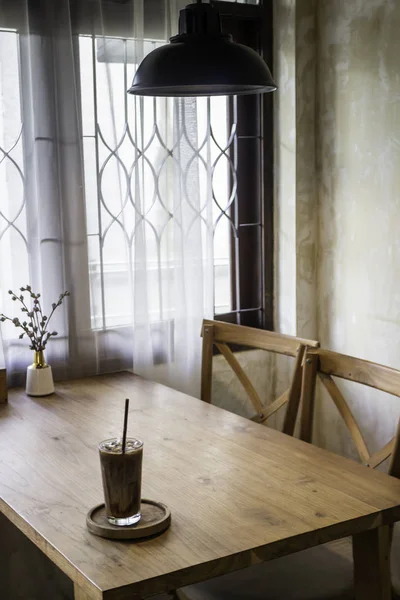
x=320 y=573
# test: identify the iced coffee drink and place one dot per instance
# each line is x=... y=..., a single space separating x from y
x=122 y=479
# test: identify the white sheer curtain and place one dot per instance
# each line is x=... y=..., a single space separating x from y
x=102 y=194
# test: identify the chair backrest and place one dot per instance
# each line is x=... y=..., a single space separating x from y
x=216 y=333
x=322 y=364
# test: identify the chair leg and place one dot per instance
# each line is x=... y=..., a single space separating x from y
x=294 y=394
x=206 y=363
x=308 y=397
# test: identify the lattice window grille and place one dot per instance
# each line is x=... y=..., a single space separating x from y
x=13 y=214
x=135 y=151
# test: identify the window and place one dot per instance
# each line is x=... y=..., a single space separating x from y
x=230 y=135
x=239 y=142
x=140 y=145
x=13 y=219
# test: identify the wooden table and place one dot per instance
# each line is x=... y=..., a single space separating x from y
x=239 y=492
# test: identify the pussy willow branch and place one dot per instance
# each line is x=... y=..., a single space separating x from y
x=37 y=328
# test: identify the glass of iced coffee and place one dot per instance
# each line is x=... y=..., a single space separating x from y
x=122 y=479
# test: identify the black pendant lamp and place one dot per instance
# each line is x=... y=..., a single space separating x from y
x=201 y=61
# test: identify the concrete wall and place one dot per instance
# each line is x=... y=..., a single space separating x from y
x=337 y=201
x=358 y=131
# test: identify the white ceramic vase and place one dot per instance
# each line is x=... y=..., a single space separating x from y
x=39 y=377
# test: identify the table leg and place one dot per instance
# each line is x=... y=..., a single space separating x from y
x=79 y=594
x=371 y=552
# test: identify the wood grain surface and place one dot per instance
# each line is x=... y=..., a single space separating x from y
x=239 y=493
x=250 y=336
x=359 y=370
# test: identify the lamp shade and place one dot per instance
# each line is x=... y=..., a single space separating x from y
x=201 y=61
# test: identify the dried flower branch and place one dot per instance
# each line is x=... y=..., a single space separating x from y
x=36 y=329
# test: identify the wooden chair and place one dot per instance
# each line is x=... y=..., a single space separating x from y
x=216 y=333
x=324 y=572
x=324 y=365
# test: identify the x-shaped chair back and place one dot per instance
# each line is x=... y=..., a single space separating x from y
x=221 y=335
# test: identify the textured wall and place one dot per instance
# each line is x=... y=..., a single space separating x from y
x=294 y=70
x=295 y=209
x=359 y=199
x=295 y=43
x=268 y=373
x=337 y=215
x=285 y=165
x=306 y=174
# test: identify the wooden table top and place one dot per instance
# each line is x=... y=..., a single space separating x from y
x=239 y=492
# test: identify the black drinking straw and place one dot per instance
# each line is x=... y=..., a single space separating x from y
x=125 y=425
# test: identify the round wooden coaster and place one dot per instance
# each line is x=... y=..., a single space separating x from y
x=156 y=518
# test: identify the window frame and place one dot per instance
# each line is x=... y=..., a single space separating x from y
x=257 y=306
